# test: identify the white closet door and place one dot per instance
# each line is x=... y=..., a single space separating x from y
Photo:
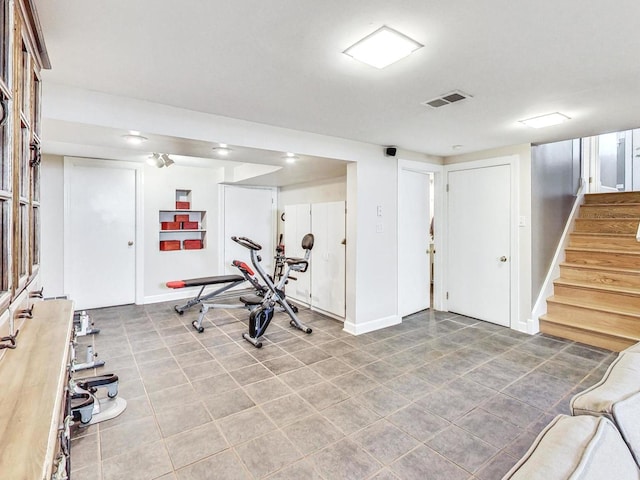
x=297 y=223
x=100 y=233
x=414 y=269
x=479 y=266
x=328 y=257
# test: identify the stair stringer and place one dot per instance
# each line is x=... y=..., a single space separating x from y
x=540 y=306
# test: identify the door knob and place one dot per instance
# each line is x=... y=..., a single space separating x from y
x=130 y=242
x=503 y=259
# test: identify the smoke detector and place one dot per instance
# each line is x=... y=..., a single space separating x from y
x=447 y=99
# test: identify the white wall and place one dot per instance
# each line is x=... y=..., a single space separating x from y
x=372 y=181
x=52 y=225
x=160 y=185
x=331 y=190
x=372 y=245
x=524 y=300
x=159 y=194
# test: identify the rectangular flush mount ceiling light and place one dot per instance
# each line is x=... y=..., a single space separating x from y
x=383 y=47
x=545 y=120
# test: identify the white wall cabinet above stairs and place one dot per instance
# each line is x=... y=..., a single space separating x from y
x=597 y=296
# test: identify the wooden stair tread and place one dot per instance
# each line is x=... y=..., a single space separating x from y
x=612 y=197
x=601 y=250
x=605 y=234
x=588 y=328
x=618 y=310
x=601 y=268
x=626 y=204
x=607 y=219
x=597 y=286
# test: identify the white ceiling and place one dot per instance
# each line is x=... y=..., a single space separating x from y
x=280 y=63
x=92 y=141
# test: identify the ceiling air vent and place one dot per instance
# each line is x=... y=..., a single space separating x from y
x=446 y=99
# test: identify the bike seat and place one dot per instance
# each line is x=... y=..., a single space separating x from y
x=251 y=299
x=297 y=264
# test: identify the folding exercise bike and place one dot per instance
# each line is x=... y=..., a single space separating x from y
x=262 y=307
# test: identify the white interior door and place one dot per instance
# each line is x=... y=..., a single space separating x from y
x=479 y=239
x=635 y=160
x=297 y=223
x=100 y=234
x=249 y=212
x=414 y=270
x=328 y=257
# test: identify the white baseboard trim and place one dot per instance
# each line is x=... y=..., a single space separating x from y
x=529 y=326
x=327 y=314
x=372 y=325
x=182 y=294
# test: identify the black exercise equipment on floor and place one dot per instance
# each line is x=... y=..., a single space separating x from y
x=262 y=309
x=227 y=282
x=268 y=298
x=87 y=407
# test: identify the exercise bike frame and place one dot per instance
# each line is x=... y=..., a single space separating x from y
x=275 y=294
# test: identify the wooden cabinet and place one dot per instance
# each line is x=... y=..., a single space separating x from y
x=22 y=56
x=29 y=408
x=34 y=367
x=35 y=376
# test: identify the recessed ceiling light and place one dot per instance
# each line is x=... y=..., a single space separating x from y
x=290 y=157
x=134 y=138
x=222 y=151
x=555 y=118
x=383 y=47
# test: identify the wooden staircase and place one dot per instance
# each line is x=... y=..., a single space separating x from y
x=597 y=296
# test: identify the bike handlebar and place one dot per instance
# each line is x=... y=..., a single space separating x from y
x=247 y=243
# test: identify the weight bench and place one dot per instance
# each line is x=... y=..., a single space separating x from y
x=229 y=281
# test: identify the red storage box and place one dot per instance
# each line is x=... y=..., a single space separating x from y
x=170 y=225
x=166 y=245
x=190 y=225
x=192 y=244
x=181 y=218
x=183 y=205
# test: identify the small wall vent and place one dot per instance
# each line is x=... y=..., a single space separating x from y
x=446 y=99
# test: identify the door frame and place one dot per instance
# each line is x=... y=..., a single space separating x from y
x=514 y=255
x=138 y=169
x=438 y=223
x=222 y=212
